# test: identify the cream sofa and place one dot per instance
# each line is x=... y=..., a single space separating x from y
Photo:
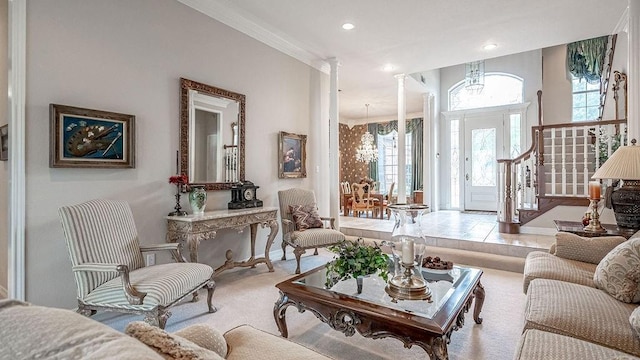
x=37 y=332
x=567 y=314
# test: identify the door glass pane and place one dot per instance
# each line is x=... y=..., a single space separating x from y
x=483 y=157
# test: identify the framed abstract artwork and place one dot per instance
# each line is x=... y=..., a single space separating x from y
x=4 y=142
x=292 y=153
x=88 y=138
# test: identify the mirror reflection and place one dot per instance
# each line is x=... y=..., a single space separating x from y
x=211 y=135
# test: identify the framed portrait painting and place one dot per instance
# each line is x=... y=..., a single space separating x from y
x=88 y=138
x=292 y=152
x=4 y=142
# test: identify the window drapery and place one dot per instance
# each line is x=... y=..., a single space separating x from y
x=585 y=59
x=413 y=127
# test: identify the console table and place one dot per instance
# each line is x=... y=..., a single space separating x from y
x=577 y=228
x=194 y=228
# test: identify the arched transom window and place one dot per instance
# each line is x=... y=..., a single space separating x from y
x=499 y=89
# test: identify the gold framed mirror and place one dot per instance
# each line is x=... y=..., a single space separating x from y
x=212 y=123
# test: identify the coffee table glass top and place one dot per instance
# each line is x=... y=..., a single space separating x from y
x=441 y=283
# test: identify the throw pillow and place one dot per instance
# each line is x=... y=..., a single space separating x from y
x=619 y=272
x=634 y=320
x=167 y=345
x=205 y=336
x=592 y=250
x=305 y=217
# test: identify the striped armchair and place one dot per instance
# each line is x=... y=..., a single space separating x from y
x=298 y=239
x=109 y=269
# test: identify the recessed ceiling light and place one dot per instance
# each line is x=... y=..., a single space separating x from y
x=388 y=67
x=348 y=26
x=490 y=46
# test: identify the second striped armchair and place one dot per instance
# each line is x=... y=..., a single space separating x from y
x=109 y=269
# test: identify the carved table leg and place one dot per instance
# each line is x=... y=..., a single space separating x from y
x=439 y=349
x=254 y=231
x=279 y=313
x=479 y=294
x=193 y=248
x=273 y=224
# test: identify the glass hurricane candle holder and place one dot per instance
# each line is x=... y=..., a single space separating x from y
x=408 y=245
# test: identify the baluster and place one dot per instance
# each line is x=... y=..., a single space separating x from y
x=553 y=161
x=585 y=159
x=574 y=168
x=563 y=134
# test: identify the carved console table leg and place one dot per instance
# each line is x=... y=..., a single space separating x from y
x=193 y=248
x=254 y=232
x=273 y=224
x=478 y=292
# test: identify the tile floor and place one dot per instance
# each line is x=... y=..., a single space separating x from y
x=454 y=229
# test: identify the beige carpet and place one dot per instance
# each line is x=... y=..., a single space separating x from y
x=248 y=296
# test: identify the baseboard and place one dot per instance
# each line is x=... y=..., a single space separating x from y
x=532 y=230
x=4 y=293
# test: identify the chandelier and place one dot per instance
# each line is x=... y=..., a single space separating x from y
x=474 y=76
x=367 y=151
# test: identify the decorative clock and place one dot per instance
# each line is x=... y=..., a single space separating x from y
x=243 y=195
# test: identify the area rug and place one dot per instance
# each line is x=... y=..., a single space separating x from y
x=247 y=296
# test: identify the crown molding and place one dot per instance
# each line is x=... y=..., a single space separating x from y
x=623 y=23
x=228 y=16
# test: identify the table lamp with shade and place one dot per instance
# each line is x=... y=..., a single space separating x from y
x=624 y=164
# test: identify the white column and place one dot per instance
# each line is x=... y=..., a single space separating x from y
x=17 y=157
x=334 y=122
x=402 y=148
x=633 y=76
x=427 y=151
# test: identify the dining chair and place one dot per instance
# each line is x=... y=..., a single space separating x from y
x=109 y=269
x=389 y=199
x=362 y=201
x=302 y=227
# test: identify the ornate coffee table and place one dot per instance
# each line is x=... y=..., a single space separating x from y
x=373 y=314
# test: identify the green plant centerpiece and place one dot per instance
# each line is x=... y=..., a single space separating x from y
x=355 y=259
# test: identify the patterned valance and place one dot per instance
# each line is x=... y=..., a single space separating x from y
x=585 y=59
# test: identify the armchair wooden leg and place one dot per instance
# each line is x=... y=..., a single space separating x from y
x=211 y=286
x=85 y=311
x=315 y=252
x=195 y=297
x=298 y=253
x=284 y=251
x=157 y=317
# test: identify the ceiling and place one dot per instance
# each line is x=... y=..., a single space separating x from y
x=412 y=35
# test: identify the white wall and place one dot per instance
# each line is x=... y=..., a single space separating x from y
x=4 y=165
x=128 y=56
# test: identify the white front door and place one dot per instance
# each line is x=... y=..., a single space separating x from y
x=484 y=136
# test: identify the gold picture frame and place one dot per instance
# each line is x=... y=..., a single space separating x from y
x=85 y=138
x=292 y=155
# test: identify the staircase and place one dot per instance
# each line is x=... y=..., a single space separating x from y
x=556 y=170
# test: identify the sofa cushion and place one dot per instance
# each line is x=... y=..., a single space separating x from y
x=634 y=320
x=169 y=346
x=619 y=272
x=246 y=342
x=592 y=250
x=38 y=332
x=542 y=265
x=305 y=217
x=581 y=312
x=536 y=344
